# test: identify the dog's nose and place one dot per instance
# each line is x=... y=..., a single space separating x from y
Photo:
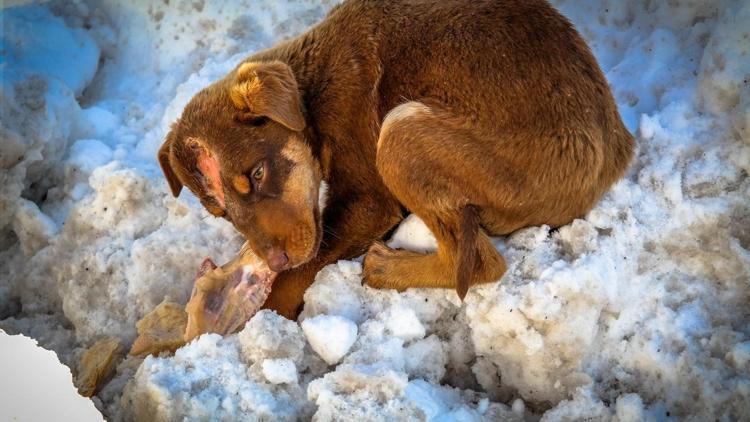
x=278 y=260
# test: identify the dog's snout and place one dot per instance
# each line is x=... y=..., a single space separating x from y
x=278 y=260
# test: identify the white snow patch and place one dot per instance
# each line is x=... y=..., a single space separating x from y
x=403 y=323
x=207 y=380
x=278 y=371
x=413 y=234
x=331 y=336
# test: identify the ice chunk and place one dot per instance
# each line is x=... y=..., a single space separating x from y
x=278 y=371
x=440 y=403
x=331 y=336
x=337 y=292
x=270 y=336
x=354 y=392
x=351 y=394
x=403 y=323
x=740 y=355
x=582 y=406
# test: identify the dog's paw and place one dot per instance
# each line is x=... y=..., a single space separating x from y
x=377 y=270
x=375 y=266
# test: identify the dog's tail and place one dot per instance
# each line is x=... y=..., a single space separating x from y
x=468 y=261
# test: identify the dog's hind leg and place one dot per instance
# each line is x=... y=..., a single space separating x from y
x=434 y=165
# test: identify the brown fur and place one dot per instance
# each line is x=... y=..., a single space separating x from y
x=482 y=117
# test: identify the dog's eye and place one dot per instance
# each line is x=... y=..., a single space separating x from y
x=258 y=173
x=250 y=119
x=258 y=121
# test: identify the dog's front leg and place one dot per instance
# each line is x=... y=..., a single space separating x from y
x=350 y=226
x=289 y=288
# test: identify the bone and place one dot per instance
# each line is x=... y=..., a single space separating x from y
x=226 y=297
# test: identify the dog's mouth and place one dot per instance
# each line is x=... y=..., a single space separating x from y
x=312 y=239
x=226 y=297
x=317 y=230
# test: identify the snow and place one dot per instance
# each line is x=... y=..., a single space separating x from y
x=208 y=380
x=37 y=42
x=36 y=385
x=629 y=408
x=330 y=336
x=636 y=311
x=278 y=371
x=404 y=324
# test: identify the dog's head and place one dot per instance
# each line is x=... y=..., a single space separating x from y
x=239 y=147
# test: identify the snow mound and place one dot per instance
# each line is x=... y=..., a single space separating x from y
x=45 y=65
x=208 y=380
x=273 y=358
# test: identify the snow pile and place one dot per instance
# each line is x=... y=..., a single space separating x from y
x=274 y=367
x=636 y=311
x=38 y=114
x=240 y=377
x=36 y=386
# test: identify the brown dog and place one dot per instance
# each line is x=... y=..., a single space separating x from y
x=482 y=117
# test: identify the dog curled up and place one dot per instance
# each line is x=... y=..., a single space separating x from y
x=481 y=117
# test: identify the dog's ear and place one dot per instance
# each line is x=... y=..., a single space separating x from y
x=268 y=89
x=165 y=162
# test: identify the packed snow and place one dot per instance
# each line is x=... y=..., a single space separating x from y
x=278 y=371
x=639 y=310
x=330 y=336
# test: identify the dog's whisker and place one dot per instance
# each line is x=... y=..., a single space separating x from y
x=329 y=231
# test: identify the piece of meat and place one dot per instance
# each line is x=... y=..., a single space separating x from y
x=225 y=297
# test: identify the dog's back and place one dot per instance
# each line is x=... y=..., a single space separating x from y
x=518 y=71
